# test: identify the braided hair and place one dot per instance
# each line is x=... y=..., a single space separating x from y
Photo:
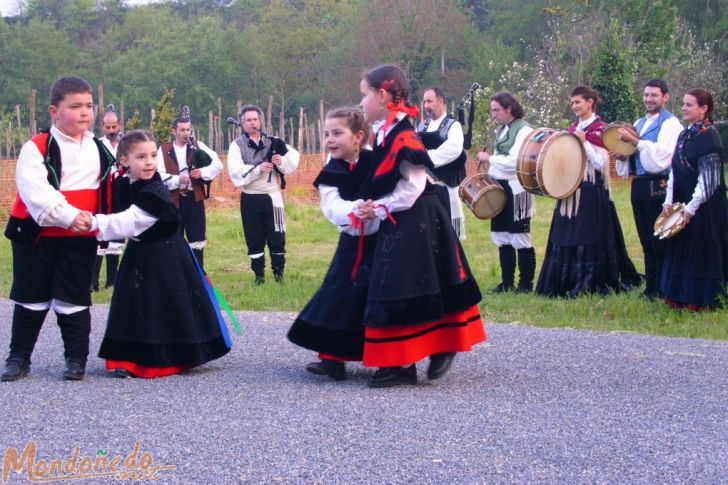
x=390 y=78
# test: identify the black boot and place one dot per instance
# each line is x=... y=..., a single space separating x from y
x=258 y=267
x=25 y=329
x=277 y=264
x=75 y=331
x=200 y=257
x=526 y=269
x=97 y=271
x=507 y=255
x=112 y=266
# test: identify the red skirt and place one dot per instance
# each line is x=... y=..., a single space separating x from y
x=397 y=346
x=146 y=372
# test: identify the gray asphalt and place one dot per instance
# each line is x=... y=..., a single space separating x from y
x=533 y=405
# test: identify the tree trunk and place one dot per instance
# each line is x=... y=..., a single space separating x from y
x=32 y=129
x=300 y=130
x=211 y=124
x=321 y=130
x=219 y=125
x=121 y=117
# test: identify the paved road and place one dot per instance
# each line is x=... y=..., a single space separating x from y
x=535 y=405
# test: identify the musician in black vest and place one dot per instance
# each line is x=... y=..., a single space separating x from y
x=658 y=132
x=443 y=138
x=258 y=164
x=187 y=183
x=511 y=229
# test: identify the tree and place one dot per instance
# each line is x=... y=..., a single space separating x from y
x=614 y=77
x=165 y=114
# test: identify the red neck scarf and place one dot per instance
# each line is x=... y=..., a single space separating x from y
x=394 y=110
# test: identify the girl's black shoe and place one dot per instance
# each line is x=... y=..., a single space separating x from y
x=330 y=368
x=394 y=376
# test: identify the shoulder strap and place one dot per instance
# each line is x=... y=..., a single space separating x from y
x=445 y=126
x=43 y=141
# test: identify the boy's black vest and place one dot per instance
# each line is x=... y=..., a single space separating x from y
x=454 y=172
x=23 y=228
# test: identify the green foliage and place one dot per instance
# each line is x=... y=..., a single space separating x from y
x=614 y=77
x=134 y=122
x=300 y=52
x=165 y=114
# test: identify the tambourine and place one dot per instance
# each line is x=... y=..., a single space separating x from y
x=667 y=225
x=611 y=140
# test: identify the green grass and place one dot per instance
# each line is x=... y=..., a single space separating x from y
x=311 y=241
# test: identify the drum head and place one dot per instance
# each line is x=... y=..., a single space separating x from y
x=610 y=137
x=490 y=203
x=563 y=165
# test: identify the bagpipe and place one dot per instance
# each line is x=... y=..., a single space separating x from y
x=200 y=158
x=460 y=110
x=277 y=147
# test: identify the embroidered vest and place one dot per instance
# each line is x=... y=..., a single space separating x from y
x=253 y=154
x=171 y=165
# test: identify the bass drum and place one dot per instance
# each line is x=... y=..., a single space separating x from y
x=551 y=162
x=483 y=195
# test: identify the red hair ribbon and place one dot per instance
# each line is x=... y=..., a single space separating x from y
x=357 y=223
x=400 y=107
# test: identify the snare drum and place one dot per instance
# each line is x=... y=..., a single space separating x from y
x=667 y=225
x=483 y=195
x=611 y=140
x=551 y=162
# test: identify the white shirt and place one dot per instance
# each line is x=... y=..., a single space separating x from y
x=657 y=156
x=122 y=225
x=337 y=211
x=256 y=181
x=450 y=148
x=209 y=173
x=503 y=167
x=598 y=157
x=107 y=144
x=80 y=169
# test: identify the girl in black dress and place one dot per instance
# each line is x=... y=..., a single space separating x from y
x=422 y=299
x=331 y=323
x=163 y=317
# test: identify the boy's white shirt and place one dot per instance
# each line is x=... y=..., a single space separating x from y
x=80 y=170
